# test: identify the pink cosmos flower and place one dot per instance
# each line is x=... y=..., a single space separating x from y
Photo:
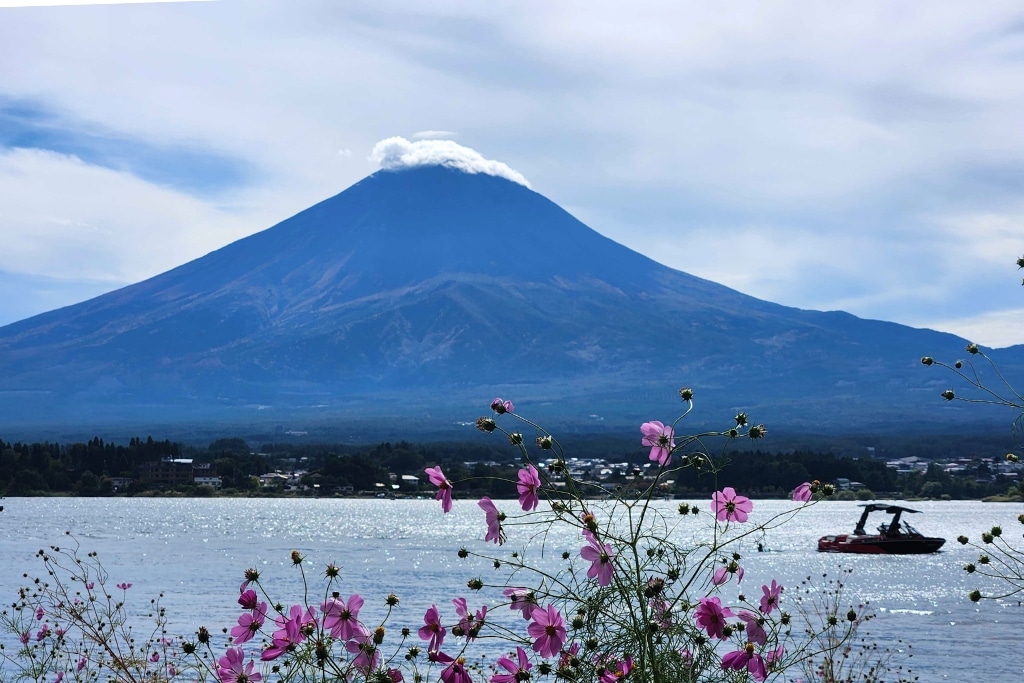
x=548 y=628
x=341 y=618
x=746 y=658
x=444 y=487
x=432 y=629
x=124 y=586
x=249 y=624
x=730 y=507
x=395 y=675
x=39 y=614
x=231 y=668
x=43 y=632
x=367 y=656
x=567 y=655
x=155 y=657
x=502 y=407
x=469 y=623
x=662 y=613
x=661 y=440
x=529 y=484
x=59 y=677
x=725 y=571
x=711 y=616
x=24 y=638
x=493 y=517
x=290 y=632
x=600 y=556
x=802 y=493
x=455 y=672
x=755 y=631
x=517 y=671
x=80 y=665
x=523 y=599
x=770 y=599
x=617 y=671
x=773 y=656
x=248 y=599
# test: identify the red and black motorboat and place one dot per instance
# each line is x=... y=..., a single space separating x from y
x=896 y=537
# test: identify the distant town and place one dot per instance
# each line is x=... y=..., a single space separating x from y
x=230 y=467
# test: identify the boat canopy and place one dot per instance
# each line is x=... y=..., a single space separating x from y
x=890 y=529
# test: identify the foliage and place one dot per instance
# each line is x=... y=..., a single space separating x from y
x=999 y=558
x=636 y=594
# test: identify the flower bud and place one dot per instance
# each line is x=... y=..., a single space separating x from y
x=485 y=424
x=565 y=555
x=578 y=621
x=544 y=668
x=391 y=600
x=997 y=531
x=983 y=559
x=684 y=508
x=851 y=616
x=515 y=438
x=948 y=395
x=970 y=568
x=986 y=537
x=962 y=540
x=757 y=432
x=332 y=571
x=686 y=393
x=741 y=419
x=959 y=364
x=784 y=618
x=497 y=564
x=927 y=360
x=1012 y=457
x=975 y=596
x=972 y=348
x=475 y=584
x=378 y=635
x=545 y=442
x=296 y=557
x=202 y=635
x=828 y=489
x=463 y=553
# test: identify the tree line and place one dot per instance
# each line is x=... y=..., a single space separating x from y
x=90 y=468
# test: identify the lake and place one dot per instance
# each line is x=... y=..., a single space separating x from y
x=195 y=551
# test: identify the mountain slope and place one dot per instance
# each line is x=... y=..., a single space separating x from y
x=428 y=288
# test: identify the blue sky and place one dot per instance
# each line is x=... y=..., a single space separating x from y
x=867 y=157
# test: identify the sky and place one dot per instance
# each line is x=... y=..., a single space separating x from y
x=865 y=157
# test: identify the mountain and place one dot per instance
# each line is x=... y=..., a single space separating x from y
x=427 y=291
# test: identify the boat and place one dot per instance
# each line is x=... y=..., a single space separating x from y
x=895 y=537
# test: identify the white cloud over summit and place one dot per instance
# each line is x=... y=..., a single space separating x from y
x=397 y=153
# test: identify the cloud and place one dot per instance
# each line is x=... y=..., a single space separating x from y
x=995 y=329
x=397 y=153
x=73 y=3
x=433 y=134
x=65 y=217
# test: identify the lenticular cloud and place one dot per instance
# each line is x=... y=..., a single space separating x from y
x=397 y=153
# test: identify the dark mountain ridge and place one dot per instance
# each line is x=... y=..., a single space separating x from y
x=429 y=290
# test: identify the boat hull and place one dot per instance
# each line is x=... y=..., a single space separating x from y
x=879 y=545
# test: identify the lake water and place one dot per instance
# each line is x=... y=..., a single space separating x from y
x=195 y=551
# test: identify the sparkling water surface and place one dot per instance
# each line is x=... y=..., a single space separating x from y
x=195 y=551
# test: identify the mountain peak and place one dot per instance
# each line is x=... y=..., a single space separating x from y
x=397 y=153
